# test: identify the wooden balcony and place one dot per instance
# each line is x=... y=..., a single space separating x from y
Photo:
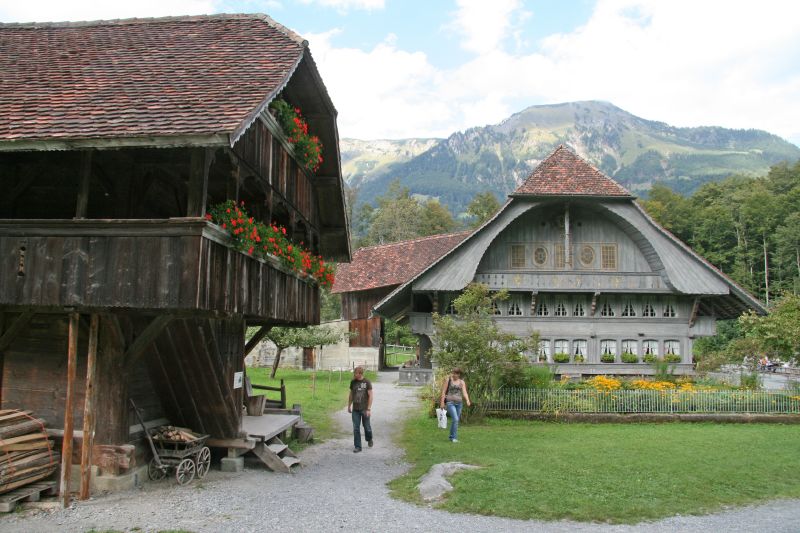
x=182 y=265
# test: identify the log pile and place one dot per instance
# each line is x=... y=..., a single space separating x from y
x=26 y=452
x=172 y=433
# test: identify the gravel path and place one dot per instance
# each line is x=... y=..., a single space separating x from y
x=336 y=490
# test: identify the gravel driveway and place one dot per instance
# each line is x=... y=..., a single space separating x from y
x=335 y=490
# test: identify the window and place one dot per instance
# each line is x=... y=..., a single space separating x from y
x=561 y=346
x=540 y=256
x=544 y=350
x=608 y=347
x=630 y=346
x=608 y=256
x=579 y=310
x=514 y=308
x=559 y=258
x=648 y=310
x=607 y=309
x=561 y=309
x=650 y=347
x=451 y=307
x=587 y=255
x=541 y=308
x=517 y=256
x=669 y=310
x=628 y=310
x=495 y=309
x=579 y=350
x=672 y=348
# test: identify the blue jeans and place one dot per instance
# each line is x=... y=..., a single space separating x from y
x=454 y=411
x=360 y=417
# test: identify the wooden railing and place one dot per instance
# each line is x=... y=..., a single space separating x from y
x=644 y=401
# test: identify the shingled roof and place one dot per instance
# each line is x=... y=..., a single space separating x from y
x=142 y=78
x=392 y=264
x=563 y=173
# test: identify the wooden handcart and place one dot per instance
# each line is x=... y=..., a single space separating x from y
x=187 y=455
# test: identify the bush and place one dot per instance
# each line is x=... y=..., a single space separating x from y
x=672 y=358
x=526 y=376
x=628 y=357
x=607 y=358
x=650 y=358
x=561 y=357
x=579 y=358
x=750 y=380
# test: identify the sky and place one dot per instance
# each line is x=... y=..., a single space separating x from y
x=429 y=68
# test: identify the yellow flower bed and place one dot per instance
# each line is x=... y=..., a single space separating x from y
x=604 y=383
x=654 y=385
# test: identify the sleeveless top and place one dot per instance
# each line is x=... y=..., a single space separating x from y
x=454 y=392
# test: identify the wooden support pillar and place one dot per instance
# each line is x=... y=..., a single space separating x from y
x=111 y=407
x=534 y=294
x=66 y=447
x=83 y=184
x=595 y=296
x=199 y=166
x=435 y=302
x=695 y=309
x=255 y=339
x=88 y=411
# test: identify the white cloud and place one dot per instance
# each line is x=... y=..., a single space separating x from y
x=346 y=5
x=61 y=10
x=483 y=25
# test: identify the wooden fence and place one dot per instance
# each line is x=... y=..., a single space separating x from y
x=645 y=401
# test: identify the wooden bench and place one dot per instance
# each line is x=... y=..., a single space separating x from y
x=257 y=403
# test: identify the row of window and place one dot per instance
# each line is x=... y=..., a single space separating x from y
x=564 y=306
x=576 y=349
x=541 y=256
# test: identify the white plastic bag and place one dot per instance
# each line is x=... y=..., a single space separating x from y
x=441 y=416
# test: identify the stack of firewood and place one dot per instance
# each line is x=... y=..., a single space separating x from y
x=173 y=433
x=26 y=454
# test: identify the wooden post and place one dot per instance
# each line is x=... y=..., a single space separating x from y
x=83 y=184
x=66 y=447
x=88 y=411
x=198 y=182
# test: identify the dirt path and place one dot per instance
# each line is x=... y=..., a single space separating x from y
x=335 y=490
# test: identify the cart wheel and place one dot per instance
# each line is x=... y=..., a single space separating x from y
x=155 y=472
x=184 y=473
x=203 y=462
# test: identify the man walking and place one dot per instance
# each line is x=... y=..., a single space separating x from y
x=359 y=403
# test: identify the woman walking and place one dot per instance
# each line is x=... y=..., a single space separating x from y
x=454 y=394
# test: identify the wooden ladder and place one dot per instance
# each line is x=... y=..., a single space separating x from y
x=276 y=455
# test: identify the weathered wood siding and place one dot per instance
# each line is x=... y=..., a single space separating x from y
x=179 y=265
x=359 y=304
x=365 y=332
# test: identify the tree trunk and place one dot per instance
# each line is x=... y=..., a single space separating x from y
x=276 y=363
x=766 y=268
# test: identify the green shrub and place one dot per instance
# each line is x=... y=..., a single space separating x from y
x=662 y=371
x=672 y=358
x=650 y=358
x=561 y=357
x=628 y=357
x=579 y=358
x=750 y=380
x=607 y=358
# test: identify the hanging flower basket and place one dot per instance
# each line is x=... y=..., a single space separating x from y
x=307 y=148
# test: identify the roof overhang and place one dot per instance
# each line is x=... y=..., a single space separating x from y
x=56 y=144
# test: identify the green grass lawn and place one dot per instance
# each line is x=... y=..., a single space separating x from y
x=319 y=403
x=619 y=473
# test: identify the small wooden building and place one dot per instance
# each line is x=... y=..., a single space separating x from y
x=115 y=139
x=374 y=273
x=607 y=289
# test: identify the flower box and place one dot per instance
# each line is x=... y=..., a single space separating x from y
x=607 y=358
x=672 y=358
x=561 y=357
x=628 y=357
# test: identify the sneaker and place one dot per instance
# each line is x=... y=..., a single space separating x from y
x=453 y=440
x=356 y=450
x=369 y=443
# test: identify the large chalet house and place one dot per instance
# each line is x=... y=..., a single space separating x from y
x=116 y=139
x=607 y=289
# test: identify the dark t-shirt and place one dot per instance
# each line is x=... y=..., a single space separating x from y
x=360 y=396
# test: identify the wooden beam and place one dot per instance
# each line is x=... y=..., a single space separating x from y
x=255 y=339
x=199 y=166
x=14 y=329
x=693 y=314
x=66 y=446
x=88 y=410
x=83 y=184
x=137 y=347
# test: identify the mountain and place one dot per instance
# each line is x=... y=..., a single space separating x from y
x=634 y=151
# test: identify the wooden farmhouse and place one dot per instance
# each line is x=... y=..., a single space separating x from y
x=376 y=271
x=607 y=289
x=116 y=138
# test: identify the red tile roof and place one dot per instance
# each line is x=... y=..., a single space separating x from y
x=393 y=264
x=141 y=77
x=563 y=173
